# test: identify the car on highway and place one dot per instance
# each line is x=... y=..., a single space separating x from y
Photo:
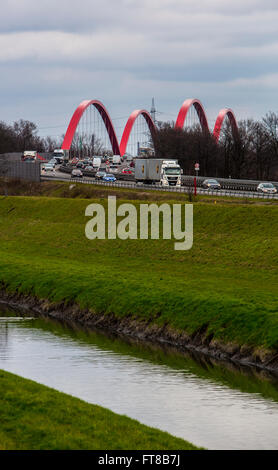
x=211 y=184
x=58 y=160
x=76 y=173
x=266 y=188
x=127 y=171
x=109 y=178
x=48 y=167
x=113 y=168
x=89 y=168
x=100 y=174
x=53 y=161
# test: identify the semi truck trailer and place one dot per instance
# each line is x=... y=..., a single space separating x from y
x=158 y=171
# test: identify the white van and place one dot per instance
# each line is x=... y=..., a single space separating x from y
x=96 y=162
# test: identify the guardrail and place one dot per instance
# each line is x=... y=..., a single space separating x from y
x=188 y=180
x=183 y=189
x=226 y=183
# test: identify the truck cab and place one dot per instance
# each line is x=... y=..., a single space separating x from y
x=59 y=155
x=170 y=173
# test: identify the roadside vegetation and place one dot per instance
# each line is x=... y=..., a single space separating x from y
x=225 y=287
x=75 y=190
x=35 y=417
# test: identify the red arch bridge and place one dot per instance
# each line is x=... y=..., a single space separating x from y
x=120 y=148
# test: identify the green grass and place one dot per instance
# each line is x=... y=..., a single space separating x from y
x=35 y=417
x=225 y=285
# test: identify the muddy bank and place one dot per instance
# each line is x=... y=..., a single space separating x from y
x=144 y=330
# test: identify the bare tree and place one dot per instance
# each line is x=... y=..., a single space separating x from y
x=260 y=149
x=50 y=144
x=270 y=122
x=87 y=146
x=4 y=169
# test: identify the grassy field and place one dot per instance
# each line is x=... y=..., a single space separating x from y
x=226 y=285
x=35 y=417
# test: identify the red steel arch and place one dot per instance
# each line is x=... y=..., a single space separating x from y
x=76 y=118
x=220 y=119
x=129 y=125
x=199 y=109
x=121 y=149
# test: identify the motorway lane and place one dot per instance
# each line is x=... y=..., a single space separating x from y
x=185 y=189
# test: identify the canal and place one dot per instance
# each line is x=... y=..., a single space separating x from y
x=210 y=404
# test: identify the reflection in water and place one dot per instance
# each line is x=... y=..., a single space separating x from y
x=3 y=335
x=212 y=405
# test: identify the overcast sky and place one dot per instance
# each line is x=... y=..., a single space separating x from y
x=54 y=54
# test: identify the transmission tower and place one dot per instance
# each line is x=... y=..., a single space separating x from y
x=153 y=111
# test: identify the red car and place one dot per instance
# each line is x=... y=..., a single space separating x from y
x=126 y=171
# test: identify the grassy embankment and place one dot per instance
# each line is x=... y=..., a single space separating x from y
x=36 y=417
x=226 y=285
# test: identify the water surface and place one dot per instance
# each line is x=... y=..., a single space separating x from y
x=211 y=405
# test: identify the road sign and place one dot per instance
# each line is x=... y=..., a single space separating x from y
x=197 y=167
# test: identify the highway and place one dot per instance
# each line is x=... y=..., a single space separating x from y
x=61 y=176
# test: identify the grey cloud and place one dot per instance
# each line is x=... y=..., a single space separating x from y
x=124 y=52
x=87 y=15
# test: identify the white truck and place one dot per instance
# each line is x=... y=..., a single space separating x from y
x=60 y=155
x=158 y=171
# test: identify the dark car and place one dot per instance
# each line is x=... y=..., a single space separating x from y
x=89 y=168
x=59 y=160
x=211 y=184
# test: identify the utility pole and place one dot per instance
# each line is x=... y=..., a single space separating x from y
x=153 y=111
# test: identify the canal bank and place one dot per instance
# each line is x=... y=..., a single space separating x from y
x=220 y=297
x=143 y=330
x=213 y=405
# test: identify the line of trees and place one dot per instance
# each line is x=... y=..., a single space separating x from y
x=23 y=135
x=252 y=154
